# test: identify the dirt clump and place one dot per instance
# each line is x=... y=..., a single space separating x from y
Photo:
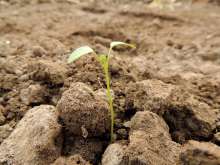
x=90 y=149
x=147 y=95
x=47 y=72
x=86 y=70
x=89 y=71
x=114 y=154
x=34 y=94
x=216 y=138
x=149 y=143
x=34 y=141
x=5 y=131
x=81 y=111
x=50 y=46
x=71 y=160
x=2 y=117
x=202 y=153
x=7 y=82
x=85 y=118
x=190 y=118
x=207 y=90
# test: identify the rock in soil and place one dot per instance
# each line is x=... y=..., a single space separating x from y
x=114 y=154
x=34 y=94
x=2 y=117
x=71 y=160
x=216 y=138
x=82 y=112
x=89 y=149
x=147 y=95
x=35 y=140
x=149 y=143
x=47 y=71
x=200 y=153
x=187 y=117
x=5 y=131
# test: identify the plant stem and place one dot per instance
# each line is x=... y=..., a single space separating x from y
x=110 y=99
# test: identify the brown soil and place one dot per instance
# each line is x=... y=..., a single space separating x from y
x=178 y=51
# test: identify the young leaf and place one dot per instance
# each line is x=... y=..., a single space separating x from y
x=116 y=43
x=79 y=52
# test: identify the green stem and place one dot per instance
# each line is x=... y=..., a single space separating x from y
x=110 y=99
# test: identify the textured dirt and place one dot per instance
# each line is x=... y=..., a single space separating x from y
x=174 y=71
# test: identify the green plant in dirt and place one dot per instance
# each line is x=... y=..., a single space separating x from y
x=104 y=61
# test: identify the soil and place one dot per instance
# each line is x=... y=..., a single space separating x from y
x=174 y=72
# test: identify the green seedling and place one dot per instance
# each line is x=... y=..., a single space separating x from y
x=104 y=61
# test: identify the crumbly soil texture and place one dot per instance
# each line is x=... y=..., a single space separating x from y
x=166 y=91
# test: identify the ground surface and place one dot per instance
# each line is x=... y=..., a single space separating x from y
x=180 y=47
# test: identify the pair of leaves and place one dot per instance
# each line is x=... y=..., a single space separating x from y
x=86 y=50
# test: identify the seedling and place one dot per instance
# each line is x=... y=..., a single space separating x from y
x=104 y=61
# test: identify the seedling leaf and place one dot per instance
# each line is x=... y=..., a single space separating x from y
x=79 y=52
x=117 y=43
